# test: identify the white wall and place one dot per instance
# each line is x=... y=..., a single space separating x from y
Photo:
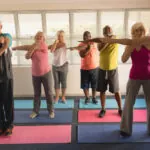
x=23 y=80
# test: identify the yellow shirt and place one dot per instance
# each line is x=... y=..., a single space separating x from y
x=109 y=57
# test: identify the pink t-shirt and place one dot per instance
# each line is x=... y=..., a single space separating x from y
x=140 y=69
x=89 y=61
x=40 y=64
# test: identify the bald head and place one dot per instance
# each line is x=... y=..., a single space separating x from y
x=107 y=31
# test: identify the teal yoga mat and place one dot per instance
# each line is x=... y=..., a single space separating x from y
x=111 y=103
x=28 y=104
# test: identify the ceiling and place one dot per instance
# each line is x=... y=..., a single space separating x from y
x=6 y=5
x=69 y=1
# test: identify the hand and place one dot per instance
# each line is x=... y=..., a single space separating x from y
x=56 y=41
x=88 y=46
x=27 y=56
x=72 y=48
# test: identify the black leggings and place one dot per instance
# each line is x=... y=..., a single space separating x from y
x=6 y=104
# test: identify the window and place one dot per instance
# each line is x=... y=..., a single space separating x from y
x=134 y=16
x=139 y=16
x=75 y=57
x=14 y=54
x=115 y=20
x=29 y=24
x=21 y=54
x=144 y=17
x=74 y=24
x=84 y=22
x=8 y=24
x=56 y=22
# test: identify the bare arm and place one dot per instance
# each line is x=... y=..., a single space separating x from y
x=6 y=45
x=79 y=48
x=31 y=51
x=102 y=46
x=127 y=53
x=53 y=46
x=49 y=46
x=96 y=40
x=22 y=47
x=84 y=52
x=112 y=40
x=136 y=42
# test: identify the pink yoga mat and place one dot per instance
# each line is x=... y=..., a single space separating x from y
x=38 y=134
x=110 y=116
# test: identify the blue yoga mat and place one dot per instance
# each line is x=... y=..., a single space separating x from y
x=28 y=104
x=109 y=133
x=61 y=116
x=110 y=103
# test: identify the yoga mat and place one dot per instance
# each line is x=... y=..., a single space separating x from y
x=110 y=103
x=109 y=133
x=110 y=116
x=38 y=134
x=61 y=116
x=28 y=104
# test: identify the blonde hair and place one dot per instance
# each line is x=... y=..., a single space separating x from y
x=39 y=32
x=137 y=26
x=61 y=32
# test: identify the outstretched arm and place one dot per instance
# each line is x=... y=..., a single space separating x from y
x=79 y=48
x=31 y=51
x=102 y=46
x=96 y=40
x=22 y=47
x=132 y=42
x=84 y=51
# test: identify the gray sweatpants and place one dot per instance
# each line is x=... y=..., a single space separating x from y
x=46 y=80
x=60 y=76
x=132 y=90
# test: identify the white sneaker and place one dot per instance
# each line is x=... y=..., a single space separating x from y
x=33 y=115
x=52 y=115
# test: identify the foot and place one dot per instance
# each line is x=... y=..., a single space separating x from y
x=56 y=100
x=120 y=112
x=102 y=113
x=94 y=100
x=52 y=115
x=124 y=134
x=33 y=115
x=63 y=100
x=87 y=100
x=8 y=132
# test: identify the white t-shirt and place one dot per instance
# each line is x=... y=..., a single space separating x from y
x=60 y=56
